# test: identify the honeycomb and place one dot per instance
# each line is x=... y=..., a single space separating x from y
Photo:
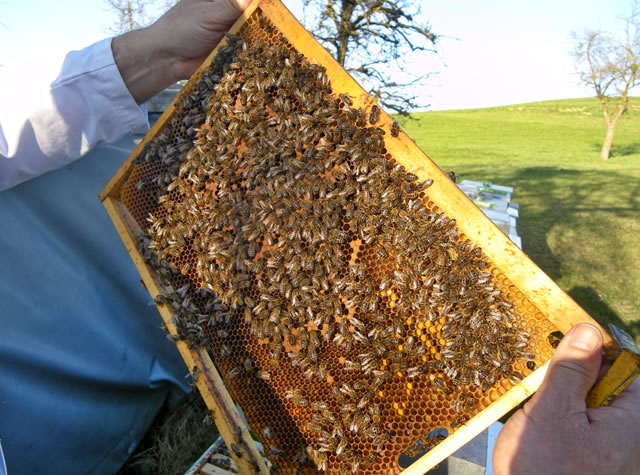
x=349 y=317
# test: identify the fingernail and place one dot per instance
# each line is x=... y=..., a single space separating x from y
x=585 y=337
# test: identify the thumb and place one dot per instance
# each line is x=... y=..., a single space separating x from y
x=242 y=4
x=573 y=370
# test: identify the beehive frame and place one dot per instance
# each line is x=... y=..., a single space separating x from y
x=520 y=278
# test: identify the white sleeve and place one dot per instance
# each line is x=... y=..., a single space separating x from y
x=47 y=127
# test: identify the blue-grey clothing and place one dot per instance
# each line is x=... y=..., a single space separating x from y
x=84 y=363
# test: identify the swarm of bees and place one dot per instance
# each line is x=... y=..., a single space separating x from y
x=280 y=206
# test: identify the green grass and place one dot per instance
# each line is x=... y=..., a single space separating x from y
x=579 y=215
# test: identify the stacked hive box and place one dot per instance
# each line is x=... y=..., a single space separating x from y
x=366 y=352
x=495 y=202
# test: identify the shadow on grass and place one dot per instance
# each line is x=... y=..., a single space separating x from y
x=620 y=150
x=589 y=299
x=625 y=149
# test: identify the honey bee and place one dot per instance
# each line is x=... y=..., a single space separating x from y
x=395 y=129
x=237 y=432
x=524 y=355
x=352 y=366
x=248 y=365
x=469 y=403
x=348 y=408
x=414 y=450
x=342 y=445
x=431 y=442
x=264 y=375
x=321 y=461
x=294 y=393
x=236 y=450
x=554 y=341
x=449 y=354
x=301 y=456
x=435 y=365
x=195 y=372
x=346 y=99
x=515 y=377
x=355 y=464
x=337 y=394
x=319 y=406
x=234 y=373
x=399 y=366
x=313 y=427
x=225 y=350
x=459 y=421
x=182 y=291
x=300 y=401
x=440 y=384
x=268 y=433
x=370 y=460
x=358 y=422
x=381 y=437
x=277 y=452
x=161 y=299
x=373 y=115
x=208 y=418
x=348 y=390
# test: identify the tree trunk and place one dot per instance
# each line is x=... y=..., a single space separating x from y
x=611 y=125
x=345 y=30
x=608 y=140
x=129 y=16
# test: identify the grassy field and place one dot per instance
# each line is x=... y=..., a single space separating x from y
x=579 y=215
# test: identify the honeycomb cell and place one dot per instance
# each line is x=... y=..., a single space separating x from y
x=267 y=275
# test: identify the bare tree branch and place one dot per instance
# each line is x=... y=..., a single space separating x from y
x=370 y=38
x=133 y=14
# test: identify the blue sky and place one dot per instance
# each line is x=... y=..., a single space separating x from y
x=491 y=53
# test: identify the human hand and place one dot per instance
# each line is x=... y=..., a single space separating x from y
x=191 y=29
x=555 y=432
x=153 y=58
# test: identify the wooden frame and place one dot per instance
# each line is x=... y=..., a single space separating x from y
x=528 y=279
x=210 y=384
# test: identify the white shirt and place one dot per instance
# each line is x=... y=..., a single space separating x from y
x=44 y=129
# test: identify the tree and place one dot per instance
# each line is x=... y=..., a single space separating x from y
x=370 y=39
x=611 y=66
x=132 y=14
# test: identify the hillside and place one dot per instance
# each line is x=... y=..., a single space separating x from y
x=579 y=215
